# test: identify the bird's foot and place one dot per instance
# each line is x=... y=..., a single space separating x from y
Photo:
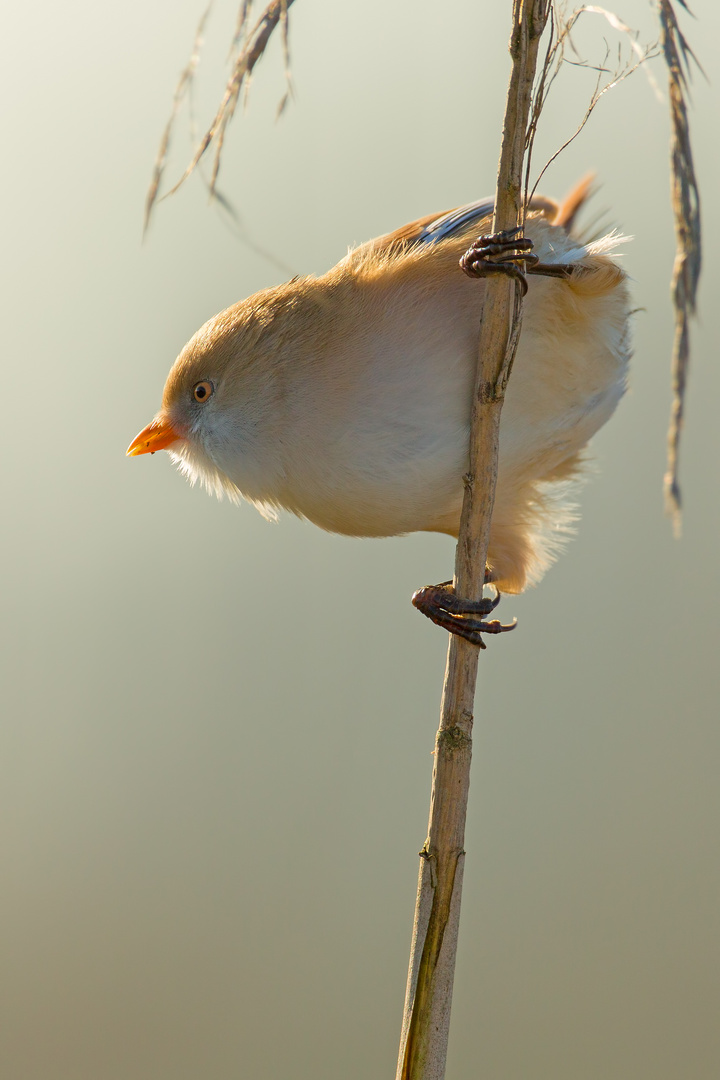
x=463 y=617
x=509 y=253
x=505 y=252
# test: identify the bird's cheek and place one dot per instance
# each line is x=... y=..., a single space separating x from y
x=158 y=435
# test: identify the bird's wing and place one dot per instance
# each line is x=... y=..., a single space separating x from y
x=434 y=227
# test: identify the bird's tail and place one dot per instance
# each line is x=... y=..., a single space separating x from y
x=574 y=201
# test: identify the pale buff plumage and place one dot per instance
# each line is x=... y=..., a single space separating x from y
x=346 y=398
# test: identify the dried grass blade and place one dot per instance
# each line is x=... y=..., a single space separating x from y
x=251 y=51
x=688 y=246
x=183 y=87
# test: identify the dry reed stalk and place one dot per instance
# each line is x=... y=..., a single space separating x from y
x=426 y=1019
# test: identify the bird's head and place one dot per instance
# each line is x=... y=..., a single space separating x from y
x=219 y=406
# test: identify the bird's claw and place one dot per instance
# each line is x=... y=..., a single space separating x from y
x=443 y=607
x=500 y=253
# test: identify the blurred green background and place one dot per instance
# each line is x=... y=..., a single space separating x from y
x=217 y=733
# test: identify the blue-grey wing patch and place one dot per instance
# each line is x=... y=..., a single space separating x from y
x=454 y=221
x=436 y=227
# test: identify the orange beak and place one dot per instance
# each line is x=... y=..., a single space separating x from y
x=158 y=435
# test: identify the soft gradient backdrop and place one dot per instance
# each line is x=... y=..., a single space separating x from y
x=217 y=733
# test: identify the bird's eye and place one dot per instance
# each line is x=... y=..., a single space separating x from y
x=203 y=390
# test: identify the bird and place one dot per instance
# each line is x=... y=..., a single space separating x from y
x=346 y=398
